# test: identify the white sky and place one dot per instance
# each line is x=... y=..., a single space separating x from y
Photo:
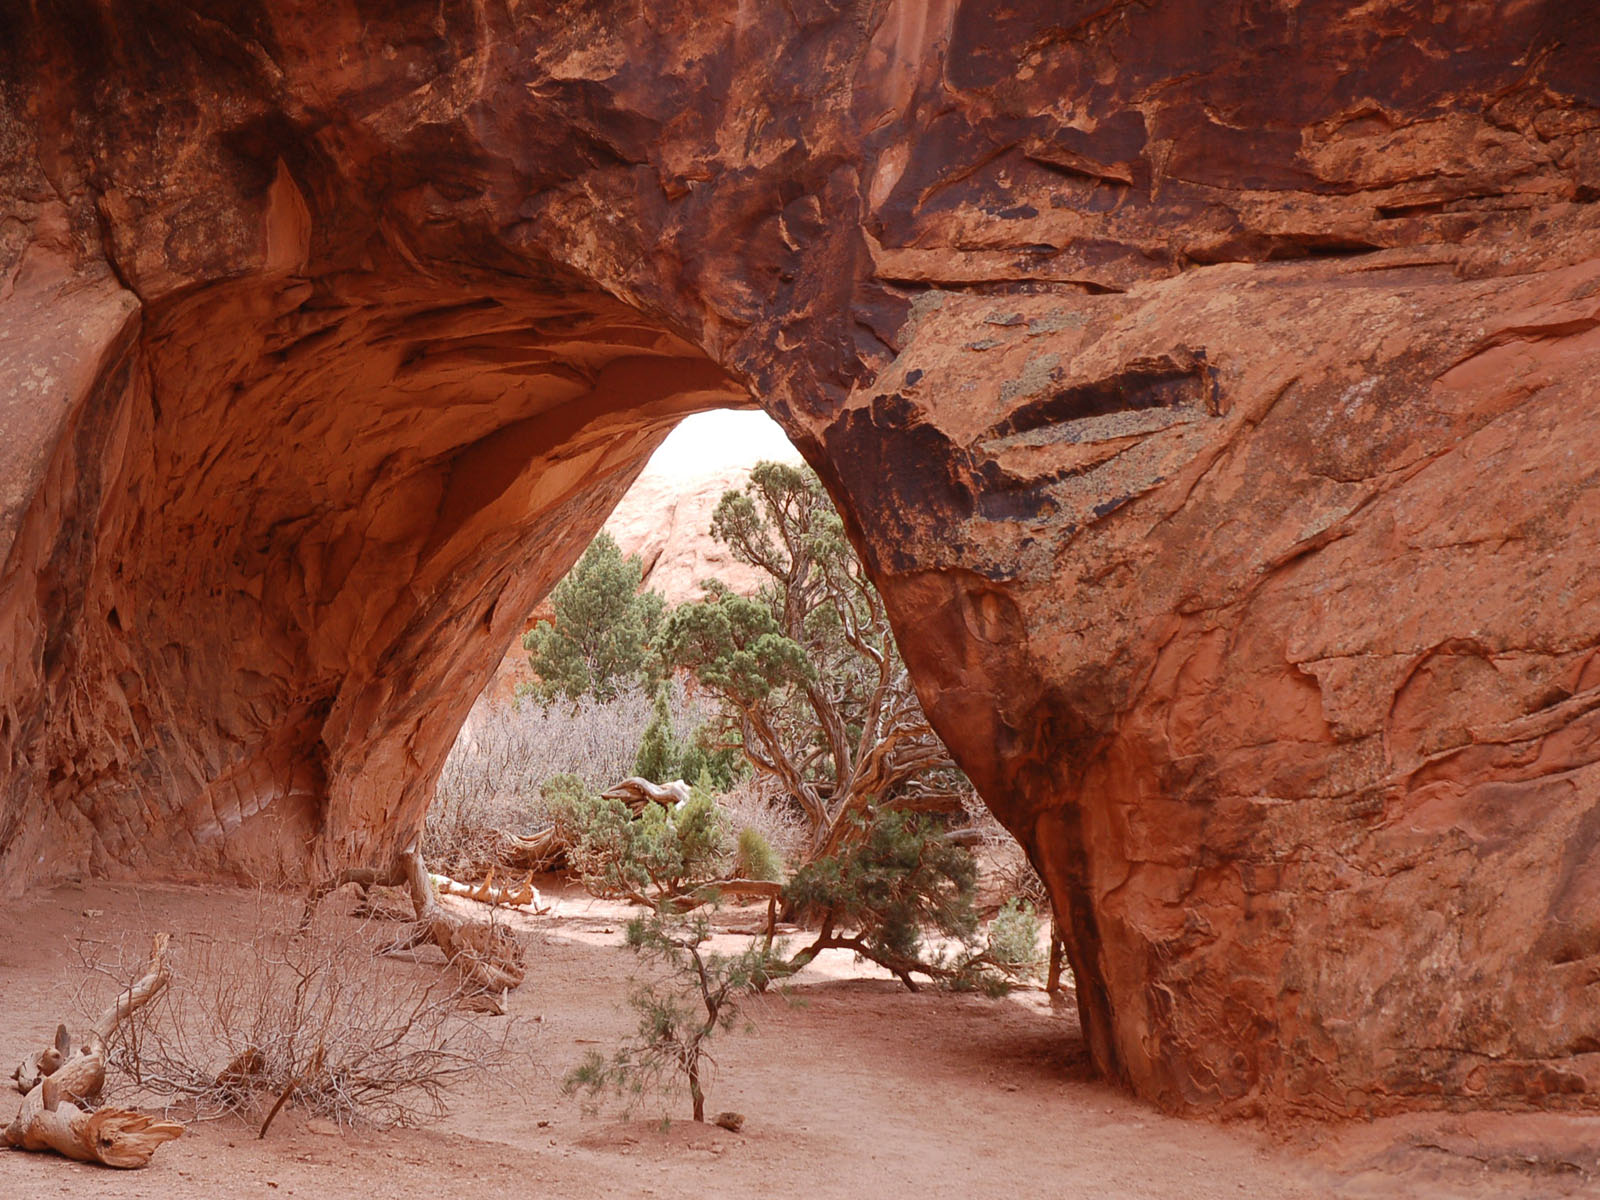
x=724 y=438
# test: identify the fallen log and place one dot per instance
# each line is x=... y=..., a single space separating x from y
x=488 y=956
x=523 y=895
x=60 y=1089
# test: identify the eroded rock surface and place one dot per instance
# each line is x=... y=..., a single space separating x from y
x=1210 y=391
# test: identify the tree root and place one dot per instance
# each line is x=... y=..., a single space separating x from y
x=489 y=956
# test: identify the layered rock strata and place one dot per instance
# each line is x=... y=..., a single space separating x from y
x=1209 y=390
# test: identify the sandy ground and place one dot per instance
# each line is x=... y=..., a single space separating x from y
x=855 y=1089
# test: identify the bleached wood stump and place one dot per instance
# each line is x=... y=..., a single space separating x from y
x=60 y=1089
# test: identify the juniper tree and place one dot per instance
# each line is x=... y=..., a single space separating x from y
x=602 y=628
x=897 y=879
x=811 y=688
x=700 y=996
x=659 y=753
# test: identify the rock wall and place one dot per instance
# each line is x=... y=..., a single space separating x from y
x=1209 y=389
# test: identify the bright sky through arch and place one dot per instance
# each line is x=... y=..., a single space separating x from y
x=728 y=437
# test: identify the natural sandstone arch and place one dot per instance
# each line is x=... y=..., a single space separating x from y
x=330 y=500
x=1208 y=391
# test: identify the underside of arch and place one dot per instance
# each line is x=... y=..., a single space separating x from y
x=304 y=515
x=1210 y=395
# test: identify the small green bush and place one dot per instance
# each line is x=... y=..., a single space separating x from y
x=678 y=1014
x=755 y=858
x=564 y=790
x=1013 y=949
x=650 y=858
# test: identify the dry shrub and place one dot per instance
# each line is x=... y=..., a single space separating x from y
x=979 y=818
x=314 y=1020
x=1015 y=879
x=757 y=803
x=1007 y=873
x=504 y=753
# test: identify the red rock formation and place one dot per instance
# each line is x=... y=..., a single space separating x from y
x=666 y=520
x=1209 y=391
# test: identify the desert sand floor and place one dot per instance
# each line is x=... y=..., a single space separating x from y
x=855 y=1088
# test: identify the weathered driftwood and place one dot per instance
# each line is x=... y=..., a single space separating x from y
x=542 y=851
x=637 y=792
x=488 y=956
x=60 y=1089
x=522 y=895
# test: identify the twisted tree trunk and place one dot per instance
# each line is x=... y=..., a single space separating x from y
x=488 y=956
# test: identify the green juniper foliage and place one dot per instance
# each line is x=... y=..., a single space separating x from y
x=713 y=763
x=567 y=796
x=898 y=878
x=602 y=630
x=699 y=996
x=659 y=752
x=1014 y=940
x=812 y=690
x=651 y=859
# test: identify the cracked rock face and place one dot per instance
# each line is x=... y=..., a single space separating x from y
x=1210 y=392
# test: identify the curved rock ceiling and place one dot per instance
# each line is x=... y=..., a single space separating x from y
x=1210 y=389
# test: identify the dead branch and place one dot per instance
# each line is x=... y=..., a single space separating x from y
x=541 y=851
x=489 y=956
x=637 y=793
x=523 y=895
x=55 y=1081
